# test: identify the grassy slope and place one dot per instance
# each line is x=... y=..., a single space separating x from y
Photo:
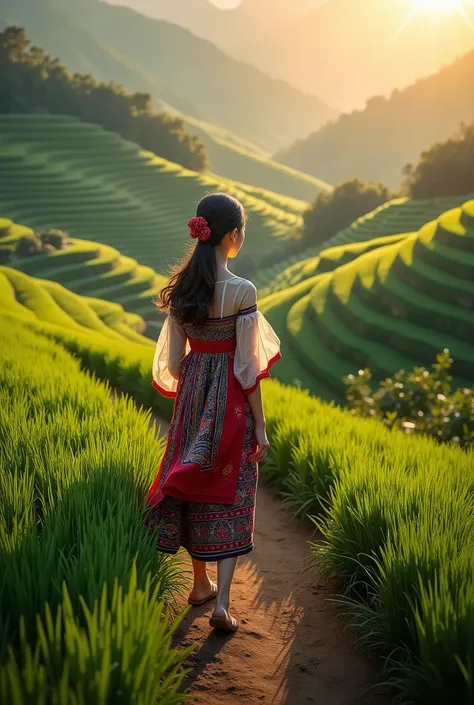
x=398 y=216
x=58 y=172
x=49 y=301
x=390 y=308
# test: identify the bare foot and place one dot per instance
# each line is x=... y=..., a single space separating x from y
x=223 y=620
x=202 y=593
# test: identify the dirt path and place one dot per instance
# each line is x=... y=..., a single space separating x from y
x=291 y=648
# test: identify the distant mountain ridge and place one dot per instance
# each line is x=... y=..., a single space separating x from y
x=116 y=43
x=344 y=51
x=377 y=142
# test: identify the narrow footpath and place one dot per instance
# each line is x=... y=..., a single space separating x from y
x=292 y=647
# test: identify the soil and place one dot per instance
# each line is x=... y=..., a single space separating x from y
x=292 y=646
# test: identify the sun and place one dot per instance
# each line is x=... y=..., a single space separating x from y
x=438 y=7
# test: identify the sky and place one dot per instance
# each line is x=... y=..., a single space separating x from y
x=225 y=4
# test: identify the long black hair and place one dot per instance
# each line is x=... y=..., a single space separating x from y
x=189 y=294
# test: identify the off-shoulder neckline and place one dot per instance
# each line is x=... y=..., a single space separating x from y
x=223 y=281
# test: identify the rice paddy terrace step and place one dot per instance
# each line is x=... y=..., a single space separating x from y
x=92 y=269
x=63 y=173
x=396 y=217
x=389 y=308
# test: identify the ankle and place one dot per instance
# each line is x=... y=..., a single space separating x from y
x=222 y=605
x=202 y=581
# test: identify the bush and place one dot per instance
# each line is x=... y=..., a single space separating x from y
x=28 y=245
x=444 y=170
x=6 y=254
x=58 y=239
x=339 y=208
x=418 y=401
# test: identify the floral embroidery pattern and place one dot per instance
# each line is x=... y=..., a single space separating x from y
x=207 y=531
x=228 y=470
x=212 y=531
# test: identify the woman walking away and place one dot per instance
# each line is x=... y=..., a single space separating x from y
x=211 y=354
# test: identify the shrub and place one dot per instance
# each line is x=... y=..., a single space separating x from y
x=6 y=254
x=339 y=208
x=28 y=245
x=58 y=239
x=418 y=401
x=444 y=170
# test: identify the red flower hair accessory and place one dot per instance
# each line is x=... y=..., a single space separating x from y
x=199 y=228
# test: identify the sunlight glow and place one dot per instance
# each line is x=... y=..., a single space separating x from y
x=438 y=6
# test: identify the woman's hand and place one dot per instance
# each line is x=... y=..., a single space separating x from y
x=263 y=445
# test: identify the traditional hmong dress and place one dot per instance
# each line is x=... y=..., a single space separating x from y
x=203 y=497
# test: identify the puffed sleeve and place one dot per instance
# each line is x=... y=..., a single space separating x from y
x=171 y=349
x=258 y=346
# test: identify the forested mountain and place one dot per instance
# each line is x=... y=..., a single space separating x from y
x=377 y=142
x=344 y=51
x=118 y=44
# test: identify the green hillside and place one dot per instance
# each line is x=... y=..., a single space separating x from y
x=91 y=269
x=237 y=160
x=391 y=308
x=51 y=302
x=58 y=172
x=377 y=142
x=398 y=216
x=120 y=45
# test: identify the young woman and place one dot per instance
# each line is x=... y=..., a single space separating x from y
x=211 y=354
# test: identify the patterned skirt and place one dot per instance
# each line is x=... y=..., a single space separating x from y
x=211 y=532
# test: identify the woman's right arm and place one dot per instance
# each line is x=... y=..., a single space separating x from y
x=256 y=405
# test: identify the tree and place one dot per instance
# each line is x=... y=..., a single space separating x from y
x=446 y=169
x=33 y=81
x=337 y=209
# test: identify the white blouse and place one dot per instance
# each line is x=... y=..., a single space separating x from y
x=258 y=346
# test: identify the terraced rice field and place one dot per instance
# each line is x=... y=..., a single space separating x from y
x=390 y=308
x=50 y=302
x=90 y=268
x=58 y=172
x=233 y=158
x=398 y=216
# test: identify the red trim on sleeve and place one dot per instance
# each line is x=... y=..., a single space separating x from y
x=263 y=375
x=166 y=393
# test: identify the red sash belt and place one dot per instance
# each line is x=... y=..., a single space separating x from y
x=213 y=346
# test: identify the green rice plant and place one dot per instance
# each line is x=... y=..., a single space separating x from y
x=396 y=513
x=75 y=467
x=120 y=653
